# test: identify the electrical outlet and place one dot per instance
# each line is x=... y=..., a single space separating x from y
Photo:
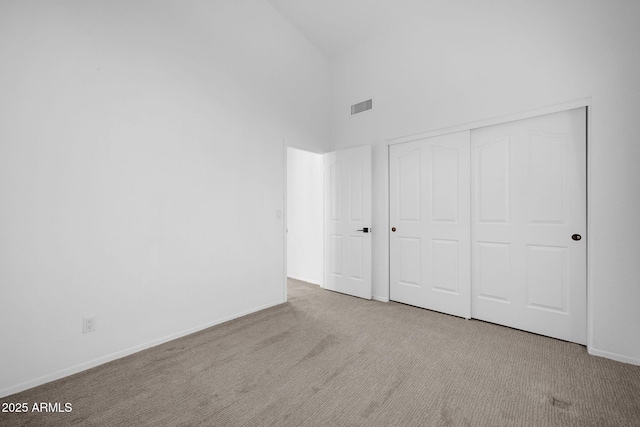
x=88 y=324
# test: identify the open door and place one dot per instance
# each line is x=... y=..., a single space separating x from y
x=347 y=219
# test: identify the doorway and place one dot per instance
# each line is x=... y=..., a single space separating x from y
x=304 y=216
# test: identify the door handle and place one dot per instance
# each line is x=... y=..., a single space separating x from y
x=576 y=237
x=365 y=230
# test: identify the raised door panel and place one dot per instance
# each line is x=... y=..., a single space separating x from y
x=335 y=249
x=356 y=267
x=492 y=180
x=356 y=179
x=410 y=255
x=546 y=179
x=493 y=274
x=335 y=191
x=445 y=266
x=444 y=184
x=547 y=278
x=408 y=186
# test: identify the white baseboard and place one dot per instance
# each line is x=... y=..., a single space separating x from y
x=613 y=356
x=122 y=353
x=304 y=279
x=381 y=299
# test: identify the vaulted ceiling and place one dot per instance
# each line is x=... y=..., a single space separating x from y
x=336 y=26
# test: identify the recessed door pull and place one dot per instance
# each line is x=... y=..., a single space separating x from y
x=365 y=230
x=576 y=237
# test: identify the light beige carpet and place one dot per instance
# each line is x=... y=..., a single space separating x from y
x=325 y=359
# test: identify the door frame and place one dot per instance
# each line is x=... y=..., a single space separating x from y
x=579 y=103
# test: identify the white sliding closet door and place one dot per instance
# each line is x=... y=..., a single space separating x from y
x=430 y=218
x=491 y=224
x=529 y=224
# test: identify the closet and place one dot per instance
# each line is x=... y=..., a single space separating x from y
x=490 y=223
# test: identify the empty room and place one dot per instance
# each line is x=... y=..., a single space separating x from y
x=305 y=212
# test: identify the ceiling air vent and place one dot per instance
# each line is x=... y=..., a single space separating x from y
x=361 y=107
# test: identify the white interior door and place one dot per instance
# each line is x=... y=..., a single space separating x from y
x=429 y=193
x=528 y=200
x=347 y=213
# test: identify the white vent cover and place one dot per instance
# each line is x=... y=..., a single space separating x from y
x=362 y=106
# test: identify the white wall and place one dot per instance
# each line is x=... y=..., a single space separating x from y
x=304 y=215
x=462 y=62
x=142 y=171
